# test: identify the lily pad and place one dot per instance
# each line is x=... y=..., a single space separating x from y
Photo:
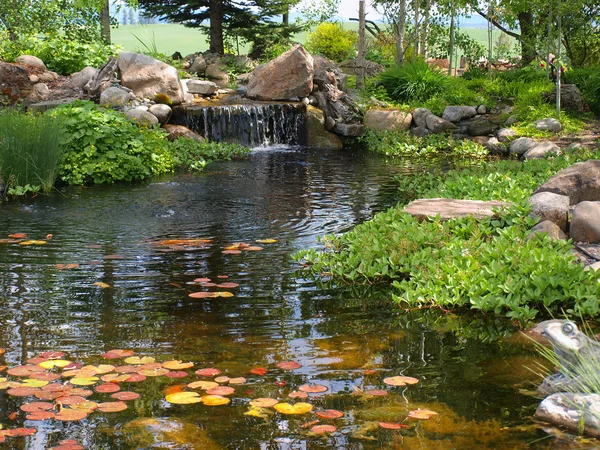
x=209 y=372
x=70 y=415
x=400 y=381
x=323 y=429
x=115 y=354
x=289 y=365
x=125 y=395
x=264 y=402
x=330 y=414
x=215 y=400
x=298 y=408
x=109 y=407
x=177 y=365
x=313 y=388
x=421 y=414
x=184 y=398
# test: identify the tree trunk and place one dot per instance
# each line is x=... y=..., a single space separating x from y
x=527 y=37
x=216 y=28
x=360 y=58
x=105 y=22
x=425 y=29
x=417 y=29
x=401 y=31
x=451 y=55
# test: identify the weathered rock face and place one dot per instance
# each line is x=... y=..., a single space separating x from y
x=448 y=208
x=388 y=119
x=198 y=65
x=316 y=134
x=457 y=113
x=141 y=117
x=520 y=146
x=323 y=68
x=115 y=97
x=548 y=124
x=579 y=182
x=288 y=76
x=161 y=112
x=80 y=79
x=436 y=124
x=176 y=131
x=39 y=93
x=371 y=67
x=148 y=77
x=495 y=147
x=549 y=228
x=570 y=98
x=572 y=411
x=420 y=117
x=35 y=63
x=14 y=83
x=202 y=87
x=552 y=207
x=541 y=150
x=216 y=73
x=585 y=223
x=504 y=134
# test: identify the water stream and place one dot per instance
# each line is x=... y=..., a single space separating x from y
x=474 y=373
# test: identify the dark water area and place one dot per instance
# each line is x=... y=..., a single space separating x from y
x=474 y=373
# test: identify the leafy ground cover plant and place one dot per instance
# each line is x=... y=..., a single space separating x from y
x=29 y=153
x=487 y=265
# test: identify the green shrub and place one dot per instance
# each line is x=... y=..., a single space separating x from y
x=415 y=81
x=103 y=146
x=332 y=41
x=588 y=81
x=29 y=152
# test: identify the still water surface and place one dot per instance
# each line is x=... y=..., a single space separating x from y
x=472 y=372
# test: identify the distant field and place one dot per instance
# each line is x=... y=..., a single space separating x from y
x=169 y=38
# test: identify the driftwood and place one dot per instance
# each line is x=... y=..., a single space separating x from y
x=102 y=80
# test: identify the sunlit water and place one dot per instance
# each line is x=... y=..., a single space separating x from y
x=471 y=372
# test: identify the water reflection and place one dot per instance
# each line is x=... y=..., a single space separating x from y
x=335 y=333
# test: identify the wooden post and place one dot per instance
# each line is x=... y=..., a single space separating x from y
x=451 y=56
x=105 y=22
x=360 y=58
x=558 y=66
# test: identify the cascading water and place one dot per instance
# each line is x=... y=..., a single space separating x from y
x=252 y=125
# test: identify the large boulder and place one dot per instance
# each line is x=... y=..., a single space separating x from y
x=14 y=83
x=541 y=150
x=448 y=208
x=505 y=134
x=520 y=146
x=198 y=65
x=548 y=124
x=142 y=118
x=316 y=134
x=457 y=113
x=161 y=112
x=481 y=128
x=579 y=182
x=495 y=147
x=288 y=76
x=83 y=77
x=202 y=87
x=177 y=131
x=35 y=63
x=570 y=98
x=549 y=228
x=323 y=68
x=420 y=117
x=438 y=125
x=551 y=206
x=585 y=223
x=148 y=77
x=115 y=97
x=388 y=119
x=579 y=413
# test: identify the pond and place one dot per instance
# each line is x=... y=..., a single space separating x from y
x=117 y=273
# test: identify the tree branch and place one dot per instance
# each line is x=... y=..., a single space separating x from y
x=499 y=26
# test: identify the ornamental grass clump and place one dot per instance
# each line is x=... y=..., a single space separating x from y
x=30 y=152
x=415 y=81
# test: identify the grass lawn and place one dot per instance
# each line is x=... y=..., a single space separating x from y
x=169 y=38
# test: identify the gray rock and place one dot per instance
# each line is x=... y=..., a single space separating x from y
x=34 y=78
x=81 y=78
x=521 y=146
x=420 y=117
x=39 y=93
x=162 y=112
x=188 y=98
x=349 y=129
x=453 y=114
x=388 y=119
x=32 y=61
x=448 y=208
x=482 y=128
x=570 y=98
x=511 y=120
x=552 y=207
x=585 y=223
x=202 y=87
x=481 y=109
x=214 y=72
x=48 y=77
x=115 y=97
x=316 y=134
x=49 y=104
x=419 y=131
x=142 y=118
x=504 y=134
x=574 y=146
x=494 y=147
x=177 y=131
x=541 y=150
x=548 y=124
x=579 y=182
x=549 y=228
x=323 y=68
x=575 y=412
x=437 y=125
x=198 y=65
x=595 y=267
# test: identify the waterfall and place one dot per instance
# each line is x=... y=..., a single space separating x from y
x=252 y=125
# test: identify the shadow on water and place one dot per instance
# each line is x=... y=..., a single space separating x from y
x=347 y=339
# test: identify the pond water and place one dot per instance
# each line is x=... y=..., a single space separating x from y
x=473 y=373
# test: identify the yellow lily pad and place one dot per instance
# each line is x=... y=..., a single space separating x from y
x=184 y=398
x=136 y=360
x=215 y=400
x=204 y=385
x=84 y=381
x=177 y=365
x=298 y=408
x=34 y=383
x=52 y=363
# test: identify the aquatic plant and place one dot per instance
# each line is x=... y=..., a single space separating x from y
x=29 y=153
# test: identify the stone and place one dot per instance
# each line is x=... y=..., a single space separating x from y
x=438 y=125
x=115 y=97
x=142 y=118
x=504 y=134
x=32 y=61
x=448 y=208
x=511 y=121
x=34 y=78
x=549 y=228
x=388 y=119
x=83 y=77
x=481 y=109
x=188 y=98
x=289 y=75
x=548 y=124
x=14 y=83
x=468 y=112
x=552 y=207
x=453 y=114
x=39 y=93
x=579 y=182
x=371 y=68
x=323 y=68
x=570 y=98
x=595 y=267
x=420 y=117
x=585 y=223
x=575 y=412
x=520 y=146
x=349 y=129
x=542 y=150
x=49 y=104
x=419 y=131
x=176 y=131
x=481 y=140
x=47 y=77
x=148 y=77
x=198 y=66
x=214 y=72
x=481 y=128
x=316 y=134
x=574 y=146
x=495 y=147
x=202 y=87
x=162 y=112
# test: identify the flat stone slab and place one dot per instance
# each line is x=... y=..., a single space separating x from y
x=449 y=208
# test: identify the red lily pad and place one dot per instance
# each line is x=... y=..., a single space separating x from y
x=108 y=407
x=125 y=395
x=107 y=388
x=330 y=414
x=323 y=429
x=209 y=372
x=40 y=415
x=289 y=365
x=261 y=371
x=115 y=354
x=313 y=388
x=70 y=415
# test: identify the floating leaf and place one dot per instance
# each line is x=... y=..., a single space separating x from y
x=201 y=280
x=188 y=242
x=266 y=241
x=22 y=391
x=392 y=425
x=228 y=285
x=69 y=444
x=34 y=383
x=280 y=383
x=52 y=363
x=40 y=415
x=88 y=406
x=107 y=388
x=20 y=432
x=421 y=414
x=112 y=257
x=253 y=248
x=377 y=392
x=330 y=414
x=313 y=389
x=215 y=400
x=298 y=408
x=289 y=365
x=66 y=266
x=84 y=381
x=127 y=369
x=36 y=406
x=45 y=376
x=70 y=415
x=237 y=380
x=102 y=284
x=400 y=381
x=264 y=402
x=210 y=372
x=153 y=372
x=176 y=374
x=135 y=378
x=33 y=242
x=115 y=378
x=109 y=407
x=369 y=372
x=322 y=429
x=114 y=354
x=70 y=400
x=125 y=395
x=231 y=252
x=205 y=385
x=138 y=361
x=297 y=394
x=51 y=355
x=261 y=371
x=222 y=379
x=177 y=365
x=24 y=371
x=210 y=294
x=220 y=390
x=261 y=413
x=184 y=398
x=17 y=235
